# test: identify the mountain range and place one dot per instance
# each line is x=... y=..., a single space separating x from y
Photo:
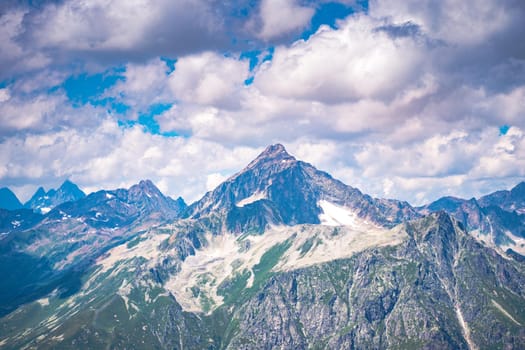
x=45 y=201
x=280 y=255
x=42 y=201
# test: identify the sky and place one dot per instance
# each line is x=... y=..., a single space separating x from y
x=406 y=99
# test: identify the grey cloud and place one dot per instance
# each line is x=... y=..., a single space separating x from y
x=400 y=30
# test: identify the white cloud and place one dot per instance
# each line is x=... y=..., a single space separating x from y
x=208 y=79
x=143 y=85
x=11 y=24
x=453 y=164
x=213 y=180
x=280 y=17
x=347 y=64
x=42 y=112
x=128 y=26
x=19 y=114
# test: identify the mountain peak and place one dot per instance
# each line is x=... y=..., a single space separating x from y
x=40 y=192
x=43 y=201
x=67 y=183
x=69 y=191
x=71 y=187
x=146 y=183
x=275 y=148
x=272 y=154
x=8 y=199
x=146 y=186
x=151 y=201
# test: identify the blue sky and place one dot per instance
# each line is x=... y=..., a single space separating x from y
x=406 y=99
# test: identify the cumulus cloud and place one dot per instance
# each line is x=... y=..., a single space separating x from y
x=351 y=63
x=208 y=79
x=281 y=17
x=456 y=163
x=141 y=86
x=14 y=56
x=4 y=94
x=56 y=33
x=124 y=28
x=454 y=21
x=42 y=113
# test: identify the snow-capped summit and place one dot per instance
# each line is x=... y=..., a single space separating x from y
x=276 y=188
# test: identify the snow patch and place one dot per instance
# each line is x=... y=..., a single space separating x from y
x=16 y=223
x=335 y=215
x=109 y=196
x=253 y=198
x=487 y=239
x=43 y=301
x=58 y=338
x=45 y=210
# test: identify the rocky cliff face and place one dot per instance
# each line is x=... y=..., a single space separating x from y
x=430 y=292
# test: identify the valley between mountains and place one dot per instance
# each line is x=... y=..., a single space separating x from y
x=279 y=256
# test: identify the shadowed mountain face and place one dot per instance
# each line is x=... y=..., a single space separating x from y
x=20 y=219
x=279 y=256
x=8 y=200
